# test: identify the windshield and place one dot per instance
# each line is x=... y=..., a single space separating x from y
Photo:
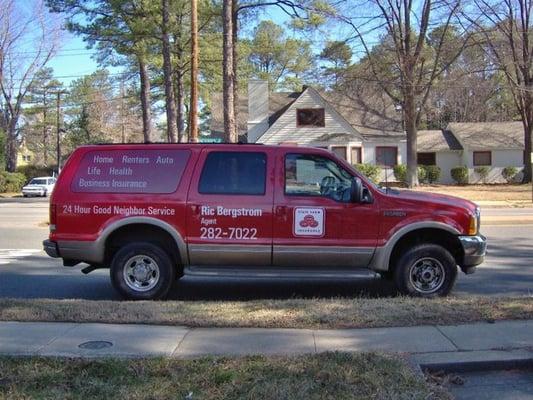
x=36 y=181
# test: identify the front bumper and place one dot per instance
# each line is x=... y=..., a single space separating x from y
x=51 y=248
x=33 y=192
x=474 y=250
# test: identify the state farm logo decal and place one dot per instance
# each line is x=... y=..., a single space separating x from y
x=308 y=221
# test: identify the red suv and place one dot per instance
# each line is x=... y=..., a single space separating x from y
x=152 y=213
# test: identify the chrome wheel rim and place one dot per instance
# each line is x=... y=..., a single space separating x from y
x=427 y=275
x=141 y=273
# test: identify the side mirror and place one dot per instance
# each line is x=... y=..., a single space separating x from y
x=356 y=190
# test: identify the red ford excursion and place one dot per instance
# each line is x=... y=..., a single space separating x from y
x=152 y=213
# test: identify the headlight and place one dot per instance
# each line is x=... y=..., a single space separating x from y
x=475 y=219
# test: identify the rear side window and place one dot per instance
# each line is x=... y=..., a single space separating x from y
x=228 y=172
x=130 y=171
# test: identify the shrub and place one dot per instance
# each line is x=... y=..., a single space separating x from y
x=422 y=174
x=400 y=173
x=509 y=173
x=460 y=175
x=34 y=171
x=372 y=172
x=13 y=181
x=2 y=182
x=483 y=173
x=432 y=173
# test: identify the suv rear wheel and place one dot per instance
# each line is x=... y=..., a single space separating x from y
x=142 y=271
x=426 y=270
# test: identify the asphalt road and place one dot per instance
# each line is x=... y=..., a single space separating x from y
x=26 y=272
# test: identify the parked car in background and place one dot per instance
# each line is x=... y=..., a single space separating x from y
x=42 y=187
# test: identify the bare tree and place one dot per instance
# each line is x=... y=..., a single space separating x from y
x=170 y=100
x=21 y=28
x=228 y=73
x=508 y=29
x=404 y=66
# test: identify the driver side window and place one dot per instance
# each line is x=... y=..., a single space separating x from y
x=312 y=175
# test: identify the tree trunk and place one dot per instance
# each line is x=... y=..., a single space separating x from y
x=228 y=74
x=11 y=146
x=180 y=100
x=193 y=114
x=145 y=101
x=45 y=132
x=409 y=115
x=172 y=131
x=235 y=62
x=528 y=127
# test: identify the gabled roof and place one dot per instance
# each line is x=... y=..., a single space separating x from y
x=278 y=103
x=436 y=140
x=488 y=135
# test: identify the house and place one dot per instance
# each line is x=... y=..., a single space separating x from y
x=24 y=155
x=368 y=131
x=489 y=144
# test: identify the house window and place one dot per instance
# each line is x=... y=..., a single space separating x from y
x=386 y=156
x=356 y=155
x=309 y=117
x=340 y=151
x=426 y=158
x=482 y=158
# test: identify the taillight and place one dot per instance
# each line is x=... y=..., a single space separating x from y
x=53 y=216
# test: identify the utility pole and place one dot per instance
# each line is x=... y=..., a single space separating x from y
x=122 y=111
x=58 y=128
x=45 y=130
x=193 y=115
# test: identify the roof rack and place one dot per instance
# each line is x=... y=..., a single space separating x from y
x=167 y=143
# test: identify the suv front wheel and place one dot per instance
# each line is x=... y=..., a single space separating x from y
x=142 y=271
x=426 y=270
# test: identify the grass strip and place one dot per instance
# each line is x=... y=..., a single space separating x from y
x=291 y=313
x=319 y=376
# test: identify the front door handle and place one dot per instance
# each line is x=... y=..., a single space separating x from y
x=281 y=211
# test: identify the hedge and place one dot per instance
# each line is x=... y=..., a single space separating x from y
x=371 y=171
x=11 y=182
x=400 y=173
x=35 y=171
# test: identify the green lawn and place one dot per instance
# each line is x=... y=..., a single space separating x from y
x=323 y=376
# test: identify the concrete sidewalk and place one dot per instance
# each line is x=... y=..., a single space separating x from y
x=500 y=340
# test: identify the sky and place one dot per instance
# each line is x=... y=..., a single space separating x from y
x=74 y=59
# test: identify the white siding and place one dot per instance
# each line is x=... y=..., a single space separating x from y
x=500 y=160
x=285 y=129
x=369 y=155
x=446 y=160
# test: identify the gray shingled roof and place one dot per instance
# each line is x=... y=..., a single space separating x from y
x=436 y=140
x=377 y=120
x=489 y=135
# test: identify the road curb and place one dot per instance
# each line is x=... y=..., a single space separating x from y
x=471 y=366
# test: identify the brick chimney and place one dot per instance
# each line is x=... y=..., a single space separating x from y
x=258 y=109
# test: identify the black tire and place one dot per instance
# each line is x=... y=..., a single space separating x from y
x=386 y=275
x=427 y=270
x=45 y=194
x=156 y=272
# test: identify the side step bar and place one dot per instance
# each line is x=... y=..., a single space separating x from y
x=277 y=272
